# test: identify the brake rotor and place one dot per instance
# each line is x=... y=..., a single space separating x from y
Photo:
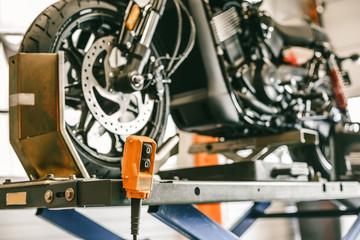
x=117 y=112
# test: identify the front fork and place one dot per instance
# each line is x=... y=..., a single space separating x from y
x=140 y=22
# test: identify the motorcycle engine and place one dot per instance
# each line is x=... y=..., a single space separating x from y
x=254 y=77
x=226 y=27
x=258 y=74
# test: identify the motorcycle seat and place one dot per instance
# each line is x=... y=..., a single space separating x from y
x=296 y=34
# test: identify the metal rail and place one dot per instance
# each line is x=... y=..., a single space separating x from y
x=109 y=192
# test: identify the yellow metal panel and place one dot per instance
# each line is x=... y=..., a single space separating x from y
x=38 y=75
x=36 y=122
x=49 y=155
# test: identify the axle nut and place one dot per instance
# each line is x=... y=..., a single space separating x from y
x=69 y=194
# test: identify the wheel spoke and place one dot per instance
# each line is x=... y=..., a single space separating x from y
x=74 y=57
x=83 y=39
x=133 y=108
x=121 y=142
x=113 y=143
x=143 y=131
x=89 y=125
x=73 y=98
x=108 y=70
x=70 y=76
x=102 y=30
x=72 y=85
x=83 y=117
x=74 y=94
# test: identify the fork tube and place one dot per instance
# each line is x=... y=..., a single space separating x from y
x=123 y=28
x=139 y=53
x=152 y=22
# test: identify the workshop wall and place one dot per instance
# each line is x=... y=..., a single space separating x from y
x=341 y=21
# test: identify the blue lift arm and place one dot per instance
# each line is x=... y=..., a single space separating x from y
x=240 y=227
x=77 y=224
x=190 y=222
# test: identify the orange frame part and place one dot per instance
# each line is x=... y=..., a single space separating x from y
x=212 y=210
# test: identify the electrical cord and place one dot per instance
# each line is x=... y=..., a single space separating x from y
x=191 y=42
x=190 y=45
x=179 y=35
x=135 y=216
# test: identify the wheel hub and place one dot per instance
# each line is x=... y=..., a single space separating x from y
x=119 y=113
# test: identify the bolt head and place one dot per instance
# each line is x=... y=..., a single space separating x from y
x=69 y=194
x=72 y=177
x=49 y=196
x=138 y=79
x=50 y=176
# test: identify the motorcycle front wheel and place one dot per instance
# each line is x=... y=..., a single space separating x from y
x=98 y=119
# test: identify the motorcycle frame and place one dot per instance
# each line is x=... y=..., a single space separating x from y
x=212 y=105
x=201 y=96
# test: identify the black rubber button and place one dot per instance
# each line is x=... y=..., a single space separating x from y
x=145 y=164
x=146 y=150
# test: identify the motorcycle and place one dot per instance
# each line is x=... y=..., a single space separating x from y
x=217 y=66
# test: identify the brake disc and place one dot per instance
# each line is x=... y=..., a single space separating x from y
x=119 y=113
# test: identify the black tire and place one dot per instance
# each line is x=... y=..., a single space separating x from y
x=317 y=156
x=314 y=156
x=51 y=27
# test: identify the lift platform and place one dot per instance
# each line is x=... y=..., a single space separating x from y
x=171 y=202
x=251 y=179
x=54 y=193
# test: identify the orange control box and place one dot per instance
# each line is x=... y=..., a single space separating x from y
x=138 y=166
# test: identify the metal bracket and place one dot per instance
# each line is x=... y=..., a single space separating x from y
x=261 y=146
x=37 y=129
x=167 y=150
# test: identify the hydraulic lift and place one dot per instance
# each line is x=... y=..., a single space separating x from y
x=171 y=200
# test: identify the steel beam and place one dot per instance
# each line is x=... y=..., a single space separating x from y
x=240 y=227
x=354 y=230
x=183 y=192
x=310 y=214
x=109 y=192
x=190 y=222
x=76 y=224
